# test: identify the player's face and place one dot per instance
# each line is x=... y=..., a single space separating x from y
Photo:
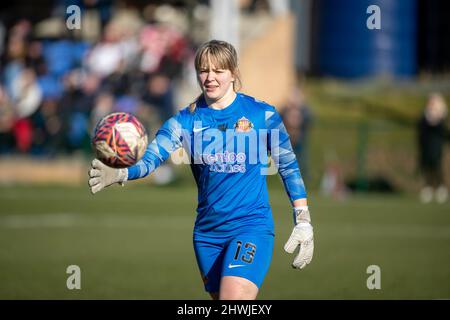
x=215 y=82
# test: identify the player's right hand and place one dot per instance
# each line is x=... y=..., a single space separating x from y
x=102 y=176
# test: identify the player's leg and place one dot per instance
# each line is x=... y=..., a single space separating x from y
x=426 y=193
x=237 y=288
x=209 y=254
x=245 y=264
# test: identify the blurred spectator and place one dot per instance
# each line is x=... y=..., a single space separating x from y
x=77 y=105
x=35 y=59
x=47 y=133
x=159 y=95
x=26 y=97
x=103 y=106
x=432 y=134
x=7 y=121
x=14 y=58
x=106 y=56
x=297 y=118
x=26 y=93
x=332 y=183
x=164 y=50
x=126 y=103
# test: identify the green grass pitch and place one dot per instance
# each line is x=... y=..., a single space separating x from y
x=135 y=242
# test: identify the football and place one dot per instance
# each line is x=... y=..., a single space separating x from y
x=119 y=140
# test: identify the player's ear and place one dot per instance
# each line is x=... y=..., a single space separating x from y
x=236 y=72
x=233 y=75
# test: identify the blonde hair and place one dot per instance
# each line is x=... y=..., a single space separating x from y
x=223 y=55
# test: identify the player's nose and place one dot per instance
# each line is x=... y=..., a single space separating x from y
x=210 y=76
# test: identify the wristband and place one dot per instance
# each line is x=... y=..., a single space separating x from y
x=301 y=215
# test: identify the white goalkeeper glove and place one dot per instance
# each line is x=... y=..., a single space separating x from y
x=302 y=236
x=102 y=176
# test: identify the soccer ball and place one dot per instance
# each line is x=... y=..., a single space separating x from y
x=119 y=140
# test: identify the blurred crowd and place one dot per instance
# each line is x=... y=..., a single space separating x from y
x=56 y=83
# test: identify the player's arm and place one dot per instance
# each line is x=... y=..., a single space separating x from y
x=285 y=160
x=167 y=139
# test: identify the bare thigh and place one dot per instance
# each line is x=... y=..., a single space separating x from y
x=237 y=288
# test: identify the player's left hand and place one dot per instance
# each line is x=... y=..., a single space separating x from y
x=302 y=236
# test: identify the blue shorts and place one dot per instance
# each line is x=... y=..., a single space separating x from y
x=247 y=255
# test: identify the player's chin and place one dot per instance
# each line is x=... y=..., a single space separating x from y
x=212 y=94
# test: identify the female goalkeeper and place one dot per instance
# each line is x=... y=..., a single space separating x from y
x=229 y=137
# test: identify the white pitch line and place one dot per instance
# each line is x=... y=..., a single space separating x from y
x=71 y=220
x=67 y=220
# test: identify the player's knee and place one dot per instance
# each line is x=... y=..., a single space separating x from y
x=238 y=294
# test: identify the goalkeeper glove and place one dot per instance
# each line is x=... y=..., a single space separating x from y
x=102 y=176
x=302 y=236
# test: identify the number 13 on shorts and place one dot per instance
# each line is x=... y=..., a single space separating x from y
x=249 y=256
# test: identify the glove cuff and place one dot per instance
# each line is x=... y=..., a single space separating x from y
x=301 y=215
x=123 y=176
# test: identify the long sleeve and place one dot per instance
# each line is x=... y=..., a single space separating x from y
x=284 y=157
x=167 y=139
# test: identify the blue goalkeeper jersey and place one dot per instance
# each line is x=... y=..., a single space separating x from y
x=230 y=151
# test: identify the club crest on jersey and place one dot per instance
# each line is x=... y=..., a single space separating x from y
x=243 y=125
